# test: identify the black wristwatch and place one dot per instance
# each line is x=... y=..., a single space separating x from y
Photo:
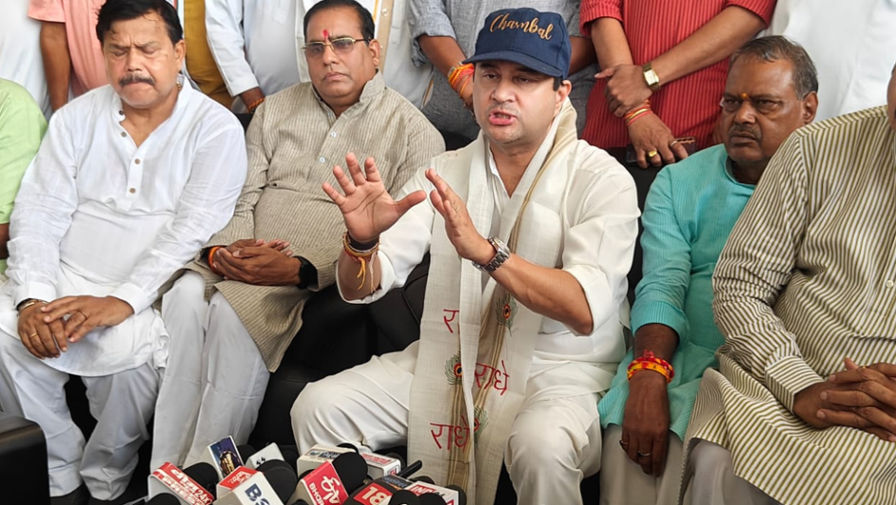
x=502 y=252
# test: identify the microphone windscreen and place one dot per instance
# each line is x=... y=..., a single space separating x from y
x=163 y=499
x=404 y=497
x=349 y=445
x=281 y=477
x=245 y=451
x=461 y=495
x=205 y=475
x=351 y=468
x=431 y=499
x=424 y=478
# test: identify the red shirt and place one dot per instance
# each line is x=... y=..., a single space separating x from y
x=690 y=105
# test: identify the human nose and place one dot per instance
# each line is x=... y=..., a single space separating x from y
x=329 y=54
x=134 y=59
x=745 y=112
x=502 y=90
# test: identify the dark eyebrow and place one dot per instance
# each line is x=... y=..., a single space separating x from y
x=334 y=37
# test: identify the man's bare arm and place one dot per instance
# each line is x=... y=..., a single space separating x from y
x=57 y=61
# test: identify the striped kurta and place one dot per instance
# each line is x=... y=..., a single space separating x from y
x=806 y=279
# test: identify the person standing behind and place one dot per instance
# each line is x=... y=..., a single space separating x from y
x=22 y=126
x=253 y=42
x=690 y=210
x=73 y=58
x=20 y=56
x=663 y=65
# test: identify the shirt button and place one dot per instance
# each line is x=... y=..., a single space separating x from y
x=137 y=161
x=889 y=284
x=132 y=190
x=322 y=159
x=123 y=134
x=385 y=11
x=333 y=134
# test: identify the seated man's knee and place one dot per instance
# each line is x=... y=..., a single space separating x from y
x=317 y=412
x=185 y=298
x=535 y=444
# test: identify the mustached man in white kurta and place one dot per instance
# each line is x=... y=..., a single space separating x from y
x=130 y=182
x=513 y=354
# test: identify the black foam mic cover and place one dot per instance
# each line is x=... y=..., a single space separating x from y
x=352 y=469
x=404 y=497
x=431 y=499
x=281 y=477
x=205 y=475
x=163 y=499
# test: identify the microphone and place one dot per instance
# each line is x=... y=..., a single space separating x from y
x=431 y=499
x=245 y=486
x=377 y=464
x=176 y=482
x=270 y=452
x=331 y=482
x=163 y=499
x=281 y=476
x=452 y=495
x=404 y=497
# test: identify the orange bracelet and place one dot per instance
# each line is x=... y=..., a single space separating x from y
x=211 y=260
x=459 y=76
x=254 y=105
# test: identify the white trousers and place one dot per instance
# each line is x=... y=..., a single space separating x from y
x=710 y=480
x=215 y=378
x=623 y=482
x=554 y=441
x=121 y=403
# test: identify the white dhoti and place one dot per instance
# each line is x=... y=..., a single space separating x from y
x=553 y=444
x=709 y=479
x=215 y=378
x=623 y=482
x=122 y=404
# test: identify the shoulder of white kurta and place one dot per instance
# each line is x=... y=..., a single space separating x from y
x=207 y=113
x=587 y=162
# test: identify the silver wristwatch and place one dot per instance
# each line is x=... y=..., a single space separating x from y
x=502 y=252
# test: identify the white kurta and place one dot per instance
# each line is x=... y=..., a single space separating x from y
x=851 y=44
x=97 y=214
x=253 y=44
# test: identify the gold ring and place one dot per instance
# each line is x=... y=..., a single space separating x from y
x=33 y=335
x=651 y=154
x=674 y=141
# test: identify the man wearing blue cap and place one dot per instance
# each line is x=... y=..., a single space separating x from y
x=521 y=330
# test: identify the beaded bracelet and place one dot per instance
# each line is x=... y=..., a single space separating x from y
x=649 y=361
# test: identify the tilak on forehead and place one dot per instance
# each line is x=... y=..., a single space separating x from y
x=326 y=34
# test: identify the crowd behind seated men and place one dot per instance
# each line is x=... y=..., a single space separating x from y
x=134 y=210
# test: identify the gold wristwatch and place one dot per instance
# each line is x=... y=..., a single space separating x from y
x=650 y=77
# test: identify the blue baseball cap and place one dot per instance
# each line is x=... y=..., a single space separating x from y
x=535 y=39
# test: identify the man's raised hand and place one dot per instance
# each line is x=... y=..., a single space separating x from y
x=366 y=206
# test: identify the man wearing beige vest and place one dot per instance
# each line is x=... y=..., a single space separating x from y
x=234 y=313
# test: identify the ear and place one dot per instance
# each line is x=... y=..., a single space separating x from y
x=180 y=51
x=561 y=94
x=374 y=47
x=810 y=107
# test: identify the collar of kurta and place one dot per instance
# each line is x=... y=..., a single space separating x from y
x=374 y=88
